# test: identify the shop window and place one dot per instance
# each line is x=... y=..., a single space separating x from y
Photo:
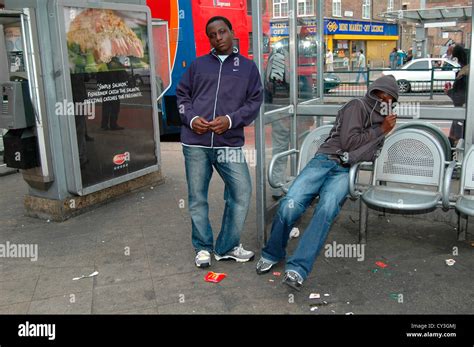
x=336 y=8
x=280 y=8
x=390 y=5
x=305 y=7
x=366 y=9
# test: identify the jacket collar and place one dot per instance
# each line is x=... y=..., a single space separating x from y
x=213 y=52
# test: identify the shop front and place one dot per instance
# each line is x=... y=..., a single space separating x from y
x=345 y=38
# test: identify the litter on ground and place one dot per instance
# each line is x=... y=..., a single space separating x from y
x=95 y=273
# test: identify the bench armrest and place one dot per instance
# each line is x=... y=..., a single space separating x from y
x=353 y=174
x=272 y=183
x=448 y=175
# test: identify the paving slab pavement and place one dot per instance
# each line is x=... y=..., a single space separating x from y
x=141 y=246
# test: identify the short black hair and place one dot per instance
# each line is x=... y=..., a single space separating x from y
x=362 y=51
x=460 y=53
x=217 y=18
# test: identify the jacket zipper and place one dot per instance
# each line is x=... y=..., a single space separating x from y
x=215 y=102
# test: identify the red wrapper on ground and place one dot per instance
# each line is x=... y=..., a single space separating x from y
x=214 y=277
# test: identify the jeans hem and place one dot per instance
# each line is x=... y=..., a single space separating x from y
x=270 y=258
x=210 y=250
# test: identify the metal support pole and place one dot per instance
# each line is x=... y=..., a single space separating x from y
x=321 y=53
x=468 y=130
x=462 y=227
x=469 y=123
x=294 y=78
x=367 y=77
x=260 y=179
x=432 y=83
x=363 y=216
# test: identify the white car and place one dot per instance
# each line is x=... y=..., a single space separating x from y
x=416 y=74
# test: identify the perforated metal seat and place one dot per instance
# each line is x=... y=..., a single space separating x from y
x=309 y=147
x=409 y=156
x=401 y=200
x=408 y=175
x=433 y=130
x=311 y=144
x=465 y=203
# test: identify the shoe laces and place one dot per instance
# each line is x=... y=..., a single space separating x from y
x=263 y=264
x=203 y=254
x=239 y=250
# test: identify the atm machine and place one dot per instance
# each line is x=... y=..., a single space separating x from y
x=80 y=125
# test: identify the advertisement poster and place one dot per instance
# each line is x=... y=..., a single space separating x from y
x=110 y=75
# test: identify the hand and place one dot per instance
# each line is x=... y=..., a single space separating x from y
x=219 y=125
x=389 y=123
x=200 y=126
x=447 y=86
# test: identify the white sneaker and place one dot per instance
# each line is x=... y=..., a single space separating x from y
x=238 y=254
x=203 y=259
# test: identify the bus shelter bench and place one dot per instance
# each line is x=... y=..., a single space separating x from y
x=464 y=201
x=408 y=176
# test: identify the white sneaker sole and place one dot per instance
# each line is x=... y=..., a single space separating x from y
x=202 y=266
x=229 y=257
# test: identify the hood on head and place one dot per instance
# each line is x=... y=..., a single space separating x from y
x=387 y=84
x=372 y=103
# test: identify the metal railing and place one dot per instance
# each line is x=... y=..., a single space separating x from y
x=354 y=83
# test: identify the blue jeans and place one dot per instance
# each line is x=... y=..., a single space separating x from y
x=230 y=164
x=361 y=72
x=321 y=176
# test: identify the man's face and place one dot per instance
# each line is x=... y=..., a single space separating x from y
x=385 y=97
x=220 y=37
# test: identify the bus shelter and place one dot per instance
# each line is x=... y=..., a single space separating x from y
x=442 y=17
x=80 y=100
x=290 y=112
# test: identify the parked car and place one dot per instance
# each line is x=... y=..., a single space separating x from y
x=416 y=74
x=331 y=81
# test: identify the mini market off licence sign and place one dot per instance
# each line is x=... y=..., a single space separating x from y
x=337 y=27
x=342 y=27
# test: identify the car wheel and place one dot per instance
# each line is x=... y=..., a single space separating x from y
x=404 y=86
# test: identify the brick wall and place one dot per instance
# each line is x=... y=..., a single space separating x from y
x=459 y=34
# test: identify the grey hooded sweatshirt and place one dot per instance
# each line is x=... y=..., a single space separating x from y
x=357 y=133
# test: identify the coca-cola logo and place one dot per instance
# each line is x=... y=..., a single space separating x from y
x=119 y=159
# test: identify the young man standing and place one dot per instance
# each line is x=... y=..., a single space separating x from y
x=360 y=66
x=358 y=133
x=329 y=61
x=219 y=94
